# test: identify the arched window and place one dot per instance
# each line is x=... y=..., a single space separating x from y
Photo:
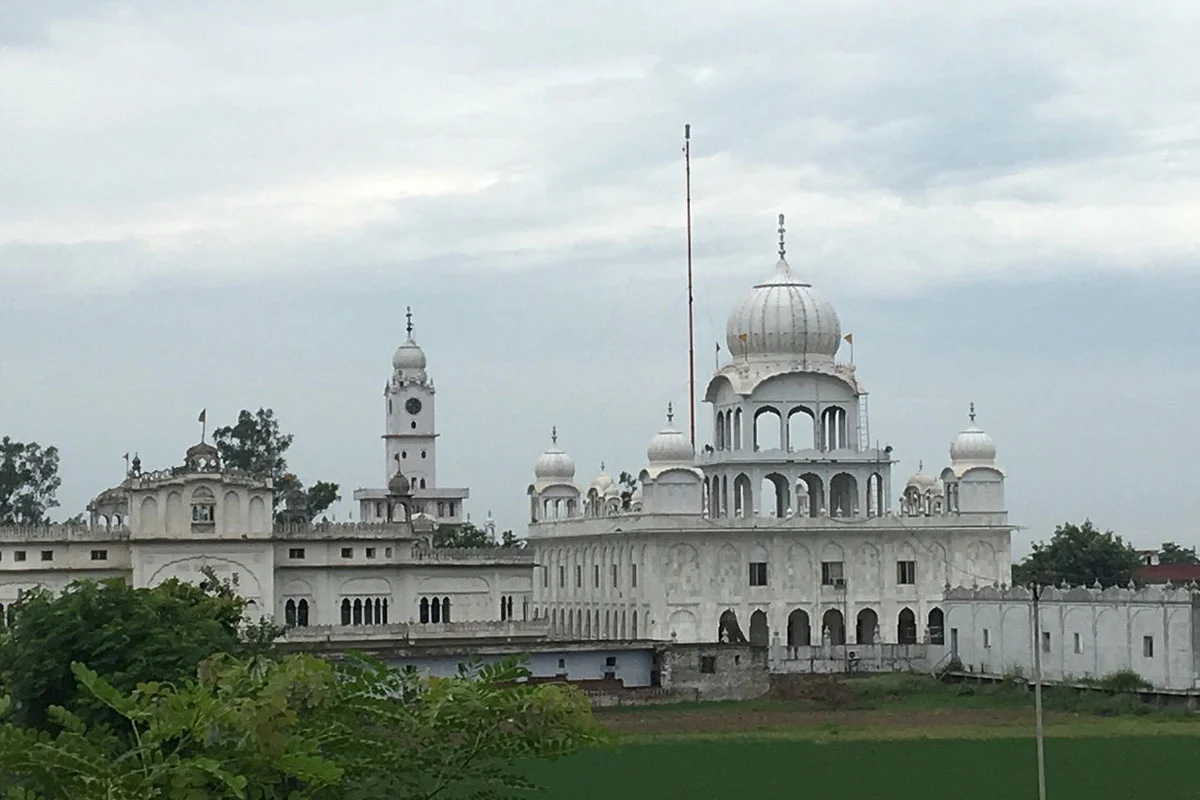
x=906 y=627
x=346 y=612
x=302 y=613
x=937 y=626
x=435 y=611
x=799 y=631
x=368 y=612
x=204 y=506
x=503 y=610
x=358 y=615
x=424 y=610
x=737 y=430
x=445 y=609
x=633 y=632
x=385 y=616
x=720 y=437
x=768 y=429
x=289 y=613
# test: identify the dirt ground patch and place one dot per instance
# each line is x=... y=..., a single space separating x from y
x=677 y=721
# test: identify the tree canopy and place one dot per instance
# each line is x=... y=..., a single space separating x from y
x=28 y=482
x=466 y=534
x=126 y=635
x=303 y=728
x=1079 y=555
x=257 y=445
x=1172 y=553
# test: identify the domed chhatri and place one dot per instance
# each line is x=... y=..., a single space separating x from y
x=670 y=446
x=409 y=355
x=399 y=485
x=554 y=464
x=973 y=445
x=784 y=318
x=602 y=482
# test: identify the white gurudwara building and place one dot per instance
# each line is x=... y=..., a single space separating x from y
x=783 y=530
x=380 y=577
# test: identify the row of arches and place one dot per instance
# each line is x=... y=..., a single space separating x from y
x=867 y=630
x=364 y=611
x=296 y=614
x=778 y=496
x=588 y=624
x=434 y=609
x=796 y=429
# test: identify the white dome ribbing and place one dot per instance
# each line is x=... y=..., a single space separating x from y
x=784 y=318
x=973 y=446
x=554 y=464
x=409 y=356
x=670 y=446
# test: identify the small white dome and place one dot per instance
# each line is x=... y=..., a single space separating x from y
x=601 y=483
x=612 y=492
x=409 y=356
x=784 y=318
x=972 y=445
x=921 y=481
x=670 y=446
x=554 y=464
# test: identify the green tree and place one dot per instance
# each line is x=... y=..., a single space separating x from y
x=28 y=482
x=1079 y=555
x=627 y=483
x=1172 y=553
x=462 y=534
x=303 y=728
x=127 y=635
x=257 y=445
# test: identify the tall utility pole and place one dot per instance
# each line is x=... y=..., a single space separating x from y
x=687 y=168
x=1037 y=691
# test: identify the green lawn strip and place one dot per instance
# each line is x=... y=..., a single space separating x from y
x=1084 y=768
x=1087 y=728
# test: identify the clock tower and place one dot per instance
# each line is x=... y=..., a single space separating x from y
x=411 y=436
x=410 y=440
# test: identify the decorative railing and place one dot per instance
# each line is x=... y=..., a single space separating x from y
x=415 y=632
x=502 y=555
x=322 y=530
x=63 y=533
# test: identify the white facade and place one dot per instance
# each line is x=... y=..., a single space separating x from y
x=1085 y=633
x=782 y=531
x=410 y=441
x=381 y=576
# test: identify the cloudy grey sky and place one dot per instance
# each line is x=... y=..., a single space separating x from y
x=229 y=204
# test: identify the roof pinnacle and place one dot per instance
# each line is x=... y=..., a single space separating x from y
x=972 y=414
x=670 y=413
x=554 y=434
x=782 y=249
x=408 y=315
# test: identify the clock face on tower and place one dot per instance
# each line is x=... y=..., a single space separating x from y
x=413 y=406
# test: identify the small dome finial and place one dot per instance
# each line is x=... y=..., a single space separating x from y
x=554 y=434
x=408 y=315
x=920 y=466
x=782 y=249
x=602 y=466
x=670 y=413
x=972 y=413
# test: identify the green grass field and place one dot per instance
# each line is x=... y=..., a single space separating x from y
x=1147 y=768
x=895 y=737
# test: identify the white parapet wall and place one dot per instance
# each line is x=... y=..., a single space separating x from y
x=1084 y=633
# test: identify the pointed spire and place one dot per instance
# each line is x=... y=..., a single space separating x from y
x=972 y=414
x=554 y=434
x=602 y=466
x=408 y=315
x=670 y=413
x=920 y=466
x=782 y=248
